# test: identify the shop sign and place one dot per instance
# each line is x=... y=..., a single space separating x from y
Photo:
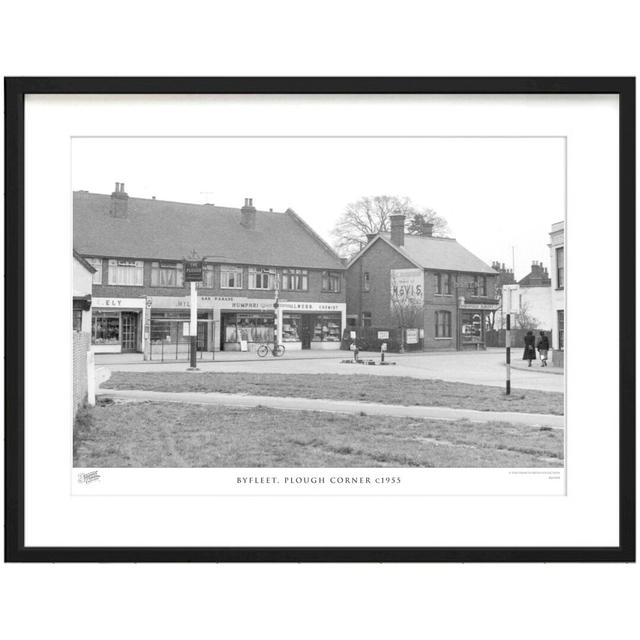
x=407 y=288
x=480 y=307
x=412 y=336
x=193 y=271
x=383 y=335
x=119 y=303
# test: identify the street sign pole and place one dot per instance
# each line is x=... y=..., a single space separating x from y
x=508 y=345
x=193 y=327
x=193 y=273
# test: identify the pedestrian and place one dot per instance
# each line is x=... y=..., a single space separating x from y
x=529 y=347
x=543 y=349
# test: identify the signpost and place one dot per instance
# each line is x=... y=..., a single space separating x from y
x=192 y=274
x=510 y=302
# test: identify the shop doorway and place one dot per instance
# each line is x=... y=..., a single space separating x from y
x=306 y=327
x=129 y=332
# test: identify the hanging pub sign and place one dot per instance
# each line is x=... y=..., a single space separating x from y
x=193 y=270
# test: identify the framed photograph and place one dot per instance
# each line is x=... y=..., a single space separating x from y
x=320 y=319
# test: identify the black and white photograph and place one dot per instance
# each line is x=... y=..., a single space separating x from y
x=319 y=302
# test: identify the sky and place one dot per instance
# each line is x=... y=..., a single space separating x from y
x=498 y=195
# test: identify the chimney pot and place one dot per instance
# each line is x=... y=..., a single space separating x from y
x=119 y=202
x=248 y=214
x=397 y=229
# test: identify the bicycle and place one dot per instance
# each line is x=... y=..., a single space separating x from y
x=277 y=350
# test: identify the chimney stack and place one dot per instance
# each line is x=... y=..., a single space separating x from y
x=370 y=237
x=397 y=229
x=119 y=202
x=248 y=214
x=427 y=229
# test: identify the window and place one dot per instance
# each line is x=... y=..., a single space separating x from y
x=366 y=318
x=366 y=281
x=331 y=281
x=446 y=285
x=105 y=327
x=483 y=286
x=291 y=327
x=326 y=328
x=230 y=277
x=443 y=284
x=560 y=267
x=126 y=272
x=295 y=279
x=561 y=329
x=96 y=263
x=443 y=324
x=260 y=278
x=166 y=274
x=77 y=319
x=207 y=276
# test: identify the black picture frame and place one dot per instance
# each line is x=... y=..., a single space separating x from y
x=15 y=91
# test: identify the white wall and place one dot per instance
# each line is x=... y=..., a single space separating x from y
x=82 y=283
x=557 y=295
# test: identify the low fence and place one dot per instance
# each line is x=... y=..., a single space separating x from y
x=367 y=339
x=497 y=337
x=170 y=339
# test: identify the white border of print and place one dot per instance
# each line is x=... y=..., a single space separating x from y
x=586 y=516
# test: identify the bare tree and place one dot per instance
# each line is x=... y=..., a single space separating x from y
x=523 y=319
x=371 y=215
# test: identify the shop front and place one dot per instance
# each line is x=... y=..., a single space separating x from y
x=116 y=325
x=233 y=323
x=474 y=319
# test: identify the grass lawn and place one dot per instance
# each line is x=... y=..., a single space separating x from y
x=157 y=434
x=385 y=389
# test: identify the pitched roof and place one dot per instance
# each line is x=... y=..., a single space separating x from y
x=158 y=229
x=429 y=252
x=83 y=262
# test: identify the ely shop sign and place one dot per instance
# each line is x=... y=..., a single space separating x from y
x=407 y=287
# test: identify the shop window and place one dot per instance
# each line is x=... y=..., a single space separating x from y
x=252 y=328
x=560 y=267
x=331 y=281
x=261 y=278
x=295 y=279
x=96 y=263
x=561 y=329
x=366 y=281
x=471 y=327
x=77 y=319
x=105 y=327
x=126 y=272
x=443 y=324
x=327 y=328
x=366 y=318
x=166 y=274
x=230 y=277
x=291 y=327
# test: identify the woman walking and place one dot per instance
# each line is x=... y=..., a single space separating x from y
x=529 y=347
x=543 y=349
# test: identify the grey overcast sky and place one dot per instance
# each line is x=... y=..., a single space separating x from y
x=495 y=193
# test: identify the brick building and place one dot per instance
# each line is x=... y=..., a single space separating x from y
x=141 y=303
x=432 y=285
x=558 y=280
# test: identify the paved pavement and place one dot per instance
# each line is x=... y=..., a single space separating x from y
x=338 y=406
x=484 y=367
